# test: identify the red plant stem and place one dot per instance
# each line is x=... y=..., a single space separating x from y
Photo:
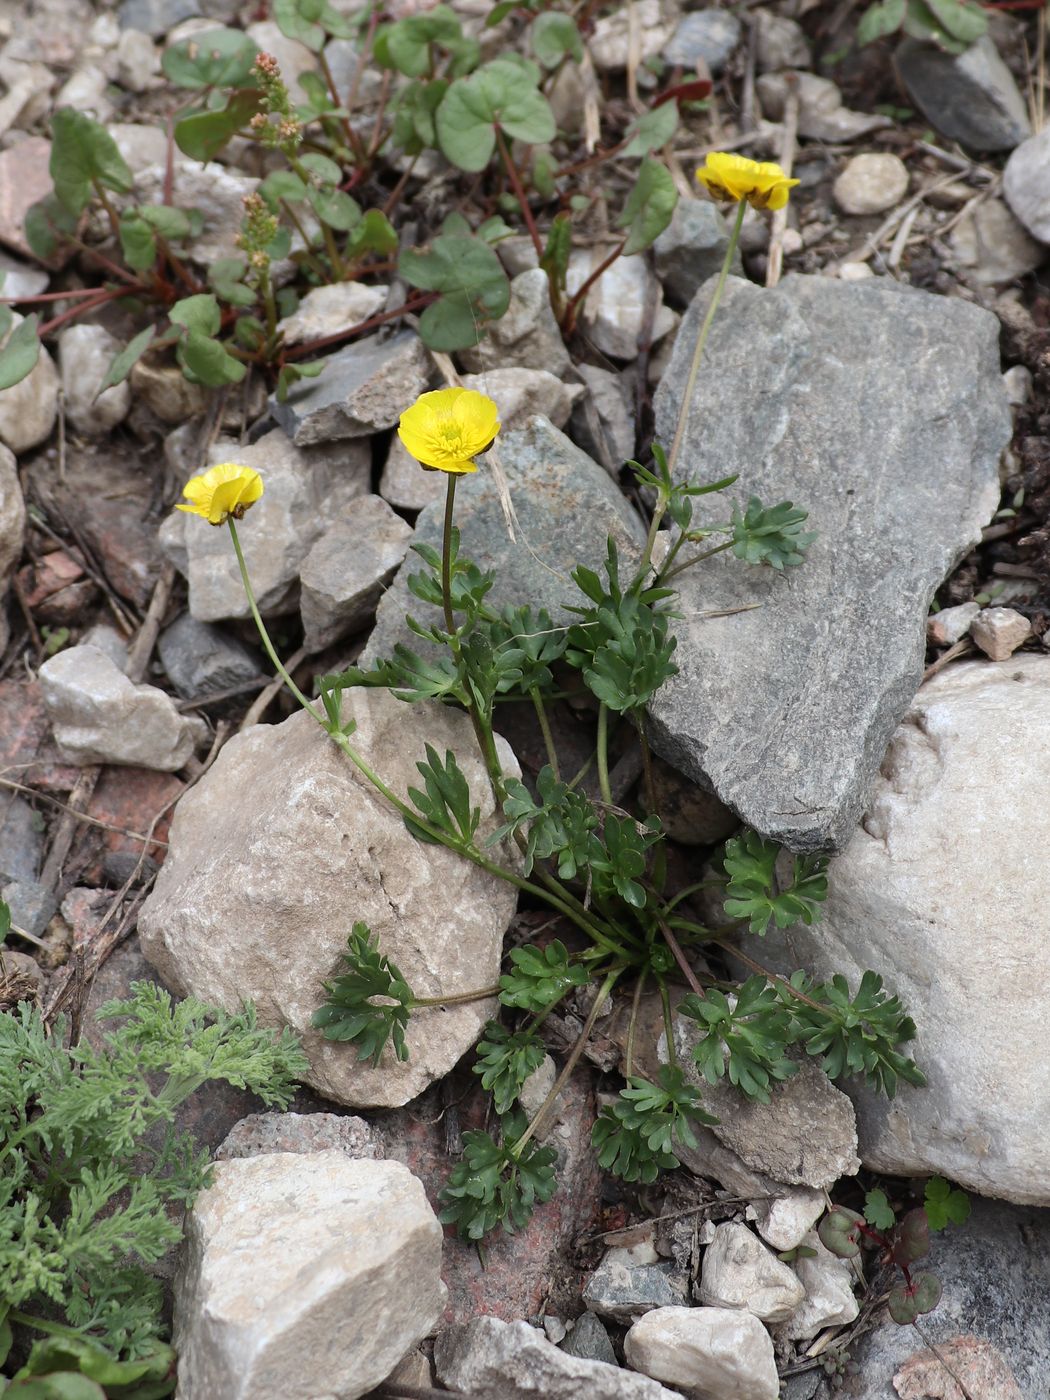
x=169 y=161
x=569 y=320
x=596 y=159
x=680 y=958
x=80 y=309
x=55 y=296
x=519 y=192
x=298 y=352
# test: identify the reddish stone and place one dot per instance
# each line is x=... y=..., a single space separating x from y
x=983 y=1370
x=84 y=910
x=128 y=798
x=24 y=180
x=27 y=750
x=508 y=1276
x=48 y=575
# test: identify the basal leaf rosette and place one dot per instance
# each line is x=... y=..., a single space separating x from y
x=734 y=178
x=222 y=491
x=446 y=429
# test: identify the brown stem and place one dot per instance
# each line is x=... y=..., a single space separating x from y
x=519 y=193
x=680 y=958
x=767 y=972
x=298 y=352
x=80 y=309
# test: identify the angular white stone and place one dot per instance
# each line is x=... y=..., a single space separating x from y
x=1000 y=631
x=331 y=310
x=950 y=625
x=614 y=312
x=304 y=1276
x=610 y=43
x=829 y=1302
x=738 y=1271
x=283 y=845
x=709 y=1353
x=99 y=716
x=871 y=183
x=85 y=354
x=343 y=575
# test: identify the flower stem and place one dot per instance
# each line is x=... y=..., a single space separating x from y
x=694 y=559
x=457 y=999
x=545 y=730
x=261 y=626
x=636 y=1001
x=603 y=754
x=570 y=1064
x=446 y=554
x=701 y=340
x=679 y=957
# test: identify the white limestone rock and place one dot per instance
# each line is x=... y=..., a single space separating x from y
x=85 y=354
x=738 y=1271
x=709 y=1353
x=347 y=569
x=29 y=408
x=829 y=1301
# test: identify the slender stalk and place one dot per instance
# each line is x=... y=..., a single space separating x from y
x=603 y=754
x=647 y=762
x=458 y=999
x=701 y=340
x=679 y=957
x=572 y=307
x=519 y=192
x=570 y=1064
x=636 y=1001
x=43 y=1324
x=545 y=730
x=296 y=222
x=771 y=976
x=668 y=574
x=665 y=1001
x=446 y=557
x=691 y=890
x=107 y=205
x=261 y=626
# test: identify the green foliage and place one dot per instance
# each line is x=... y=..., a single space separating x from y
x=445 y=801
x=878 y=1212
x=652 y=130
x=558 y=825
x=497 y=1183
x=22 y=349
x=649 y=207
x=635 y=1137
x=752 y=894
x=505 y=1060
x=540 y=977
x=64 y=1368
x=908 y=1301
x=744 y=1037
x=500 y=96
x=86 y=1184
x=312 y=22
x=84 y=159
x=202 y=357
x=350 y=1012
x=840 y=1232
x=945 y=1205
x=215 y=59
x=953 y=25
x=473 y=286
x=411 y=45
x=554 y=36
x=770 y=535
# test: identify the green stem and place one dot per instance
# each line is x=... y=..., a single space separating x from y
x=261 y=626
x=666 y=575
x=701 y=341
x=338 y=269
x=446 y=558
x=43 y=1324
x=545 y=730
x=691 y=890
x=665 y=1001
x=603 y=754
x=636 y=1000
x=458 y=999
x=570 y=1064
x=650 y=542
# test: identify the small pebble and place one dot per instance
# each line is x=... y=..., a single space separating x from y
x=950 y=625
x=1017 y=381
x=1000 y=631
x=855 y=272
x=871 y=184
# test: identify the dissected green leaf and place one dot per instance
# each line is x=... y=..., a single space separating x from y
x=505 y=1060
x=352 y=1013
x=945 y=1205
x=878 y=1212
x=497 y=1183
x=540 y=977
x=84 y=154
x=753 y=892
x=221 y=58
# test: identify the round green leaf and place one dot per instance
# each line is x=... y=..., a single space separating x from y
x=84 y=154
x=217 y=58
x=497 y=95
x=20 y=354
x=555 y=36
x=649 y=206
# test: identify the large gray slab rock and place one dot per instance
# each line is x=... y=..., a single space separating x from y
x=1026 y=184
x=553 y=487
x=969 y=97
x=305 y=1275
x=515 y=1361
x=283 y=845
x=941 y=891
x=362 y=390
x=710 y=1353
x=344 y=574
x=992 y=1323
x=99 y=716
x=304 y=491
x=882 y=412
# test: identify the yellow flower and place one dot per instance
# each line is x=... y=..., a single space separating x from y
x=222 y=491
x=446 y=429
x=763 y=184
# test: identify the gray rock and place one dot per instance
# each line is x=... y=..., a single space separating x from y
x=871 y=183
x=709 y=36
x=343 y=58
x=828 y=1283
x=1018 y=383
x=260 y=1134
x=304 y=1275
x=1000 y=631
x=12 y=517
x=163 y=388
x=589 y=1341
x=85 y=354
x=553 y=486
x=29 y=408
x=740 y=1272
x=601 y=421
x=950 y=625
x=20 y=279
x=21 y=839
x=518 y=392
x=343 y=576
x=622 y=1289
x=970 y=97
x=782 y=43
x=88 y=91
x=690 y=815
x=215 y=190
x=992 y=1323
x=362 y=390
x=30 y=903
x=610 y=43
x=1026 y=184
x=824 y=360
x=331 y=310
x=691 y=249
x=714 y=1353
x=140 y=145
x=822 y=117
x=99 y=716
x=156 y=17
x=615 y=313
x=201 y=659
x=516 y=1362
x=994 y=247
x=255 y=900
x=526 y=335
x=304 y=491
x=942 y=932
x=138 y=61
x=108 y=640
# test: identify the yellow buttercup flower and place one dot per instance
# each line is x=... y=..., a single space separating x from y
x=446 y=429
x=222 y=491
x=762 y=183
